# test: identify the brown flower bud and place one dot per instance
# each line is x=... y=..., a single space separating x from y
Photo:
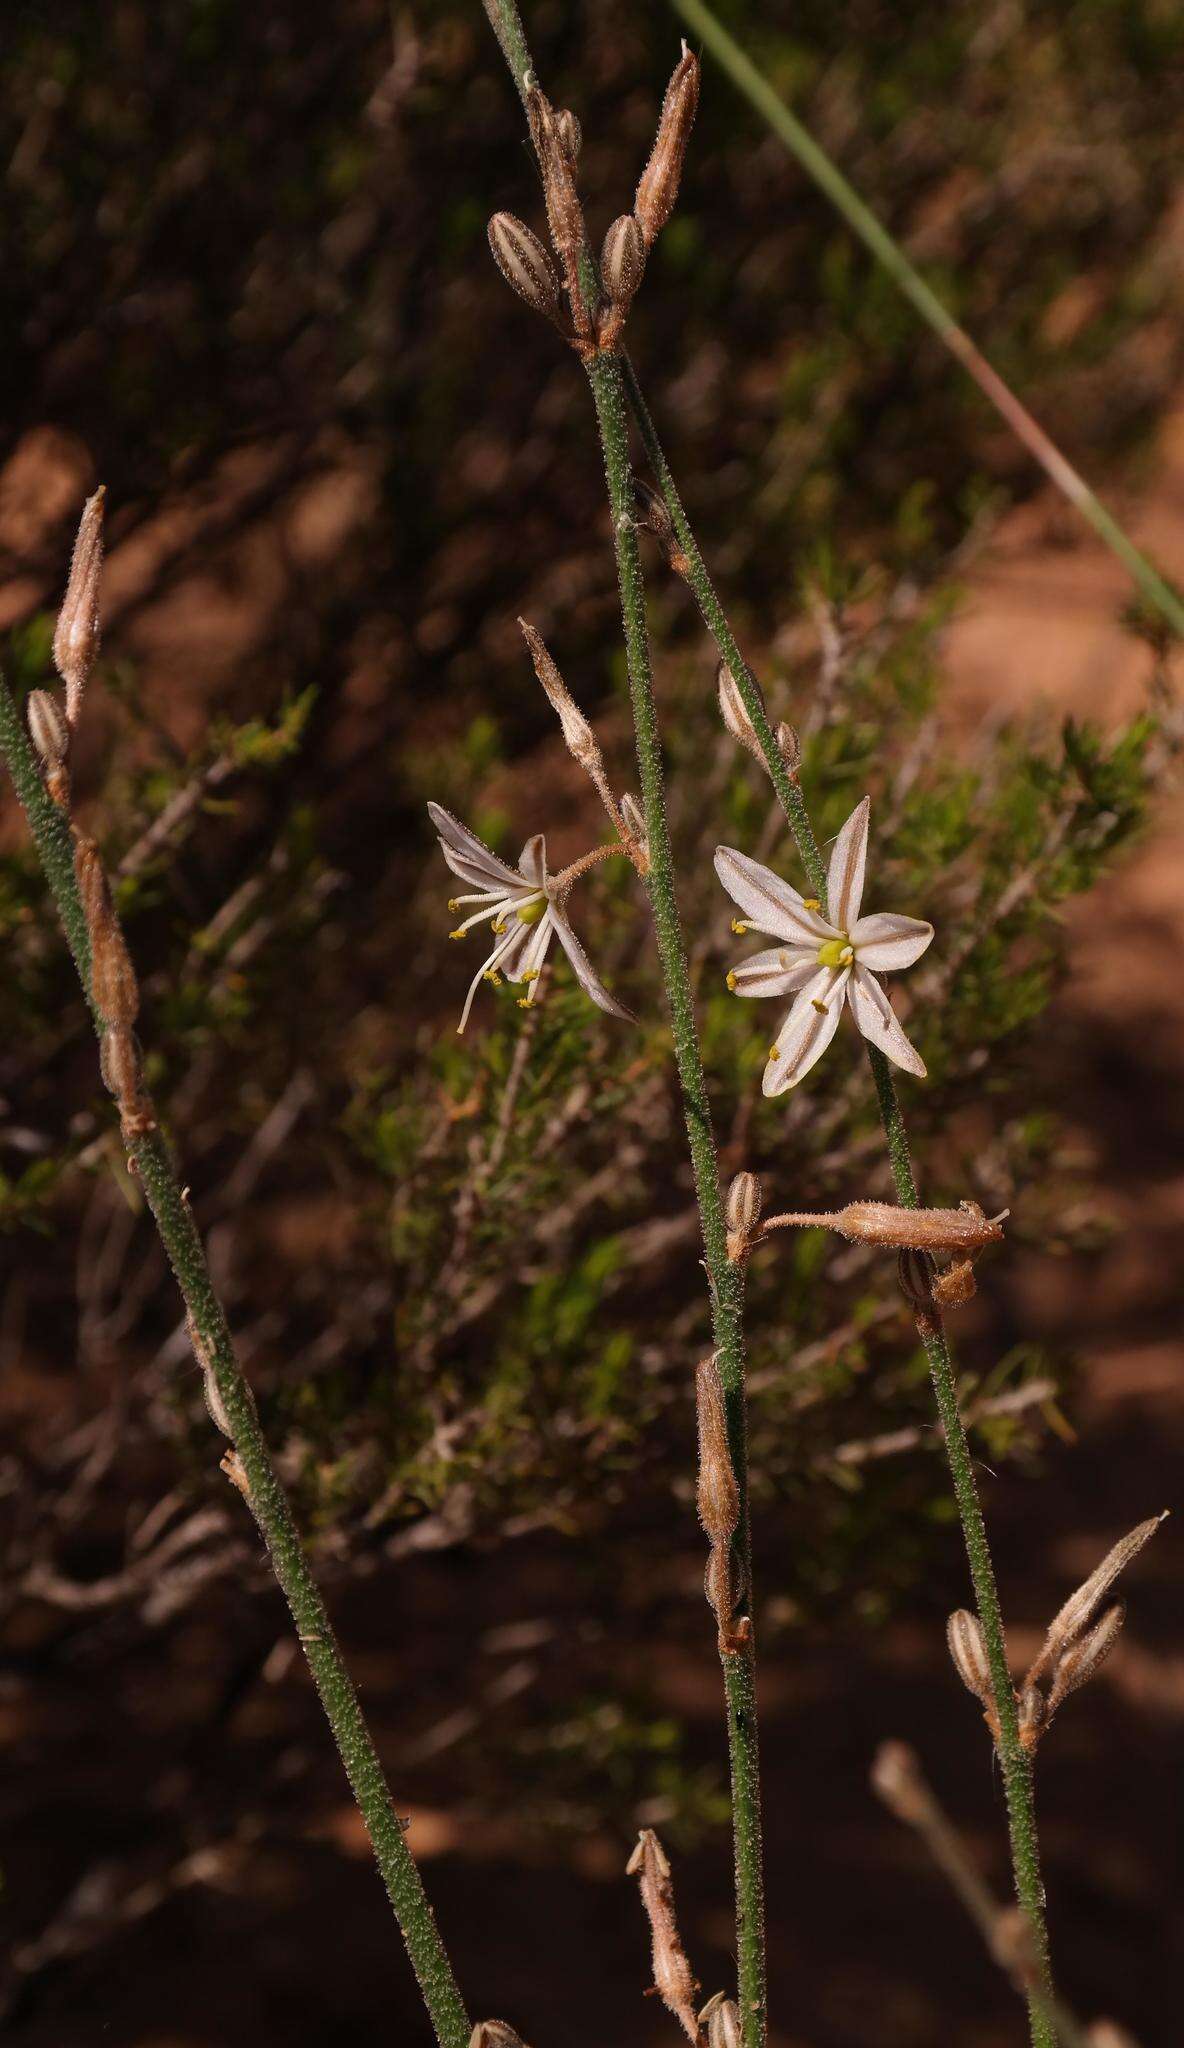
x=113 y=984
x=564 y=214
x=968 y=1649
x=720 y=2018
x=658 y=186
x=634 y=818
x=76 y=640
x=494 y=2034
x=622 y=259
x=718 y=1494
x=568 y=133
x=120 y=1066
x=524 y=263
x=1078 y=1664
x=47 y=728
x=649 y=510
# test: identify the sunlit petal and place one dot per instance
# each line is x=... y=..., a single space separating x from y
x=807 y=1031
x=767 y=902
x=886 y=942
x=844 y=877
x=878 y=1022
x=779 y=972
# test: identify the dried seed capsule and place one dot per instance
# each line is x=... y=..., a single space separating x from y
x=956 y=1285
x=120 y=1065
x=718 y=1494
x=1078 y=1609
x=672 y=1973
x=524 y=263
x=721 y=2019
x=578 y=734
x=568 y=133
x=47 y=728
x=657 y=188
x=76 y=639
x=564 y=214
x=113 y=982
x=1077 y=1665
x=969 y=1651
x=622 y=259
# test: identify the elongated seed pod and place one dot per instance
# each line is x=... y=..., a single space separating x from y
x=580 y=739
x=964 y=1229
x=968 y=1650
x=672 y=1973
x=113 y=983
x=718 y=1497
x=523 y=262
x=657 y=188
x=76 y=638
x=1077 y=1664
x=622 y=259
x=1082 y=1604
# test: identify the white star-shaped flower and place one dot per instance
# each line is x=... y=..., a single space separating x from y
x=821 y=961
x=528 y=909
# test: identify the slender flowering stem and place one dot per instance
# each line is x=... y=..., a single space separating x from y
x=1017 y=1770
x=725 y=1277
x=859 y=217
x=150 y=1159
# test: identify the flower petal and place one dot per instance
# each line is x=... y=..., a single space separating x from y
x=768 y=902
x=532 y=861
x=844 y=876
x=807 y=1031
x=468 y=856
x=885 y=942
x=878 y=1021
x=779 y=972
x=586 y=974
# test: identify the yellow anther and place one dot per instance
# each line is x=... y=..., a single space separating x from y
x=816 y=1005
x=773 y=1053
x=532 y=974
x=491 y=974
x=811 y=903
x=454 y=904
x=739 y=928
x=498 y=925
x=731 y=981
x=525 y=1003
x=458 y=935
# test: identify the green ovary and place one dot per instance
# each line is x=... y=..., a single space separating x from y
x=833 y=953
x=530 y=913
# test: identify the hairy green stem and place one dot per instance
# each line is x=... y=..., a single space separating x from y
x=150 y=1160
x=724 y=1276
x=1016 y=1766
x=862 y=221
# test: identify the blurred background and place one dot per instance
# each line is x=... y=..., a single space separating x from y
x=246 y=287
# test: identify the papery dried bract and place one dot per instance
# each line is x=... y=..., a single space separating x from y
x=1031 y=1715
x=524 y=263
x=494 y=2034
x=76 y=638
x=658 y=185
